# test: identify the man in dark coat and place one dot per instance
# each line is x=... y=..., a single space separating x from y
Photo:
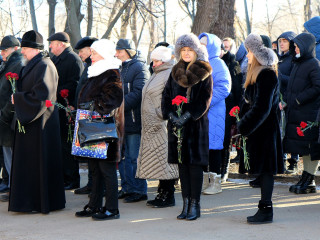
x=83 y=46
x=134 y=74
x=285 y=66
x=70 y=68
x=303 y=99
x=37 y=176
x=12 y=58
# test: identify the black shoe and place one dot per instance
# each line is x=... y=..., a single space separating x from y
x=183 y=214
x=194 y=210
x=4 y=197
x=106 y=215
x=264 y=214
x=159 y=196
x=122 y=194
x=308 y=186
x=72 y=186
x=166 y=200
x=83 y=190
x=255 y=183
x=135 y=197
x=4 y=188
x=87 y=212
x=303 y=178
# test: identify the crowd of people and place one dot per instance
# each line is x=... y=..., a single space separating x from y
x=172 y=118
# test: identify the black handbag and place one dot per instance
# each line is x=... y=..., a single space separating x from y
x=97 y=129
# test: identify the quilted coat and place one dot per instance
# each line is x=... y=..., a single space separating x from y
x=153 y=154
x=221 y=90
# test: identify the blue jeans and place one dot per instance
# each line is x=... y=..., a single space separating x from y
x=7 y=156
x=128 y=166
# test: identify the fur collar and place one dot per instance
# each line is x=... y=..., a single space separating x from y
x=197 y=72
x=102 y=66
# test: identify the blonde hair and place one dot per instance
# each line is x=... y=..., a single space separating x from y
x=254 y=69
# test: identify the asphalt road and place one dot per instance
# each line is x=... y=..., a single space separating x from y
x=223 y=217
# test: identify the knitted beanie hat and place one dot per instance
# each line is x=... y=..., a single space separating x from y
x=162 y=54
x=265 y=56
x=105 y=48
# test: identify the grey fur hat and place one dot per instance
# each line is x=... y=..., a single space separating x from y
x=265 y=56
x=192 y=41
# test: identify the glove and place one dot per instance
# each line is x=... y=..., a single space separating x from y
x=183 y=119
x=173 y=118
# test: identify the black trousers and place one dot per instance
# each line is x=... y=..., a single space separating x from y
x=191 y=180
x=70 y=164
x=104 y=172
x=215 y=159
x=266 y=183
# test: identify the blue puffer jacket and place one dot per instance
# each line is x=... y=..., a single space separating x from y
x=221 y=89
x=313 y=26
x=134 y=74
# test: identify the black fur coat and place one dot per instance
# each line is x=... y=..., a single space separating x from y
x=106 y=92
x=260 y=124
x=195 y=145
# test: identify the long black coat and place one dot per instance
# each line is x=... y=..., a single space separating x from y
x=195 y=144
x=14 y=65
x=260 y=124
x=36 y=174
x=82 y=81
x=106 y=92
x=303 y=99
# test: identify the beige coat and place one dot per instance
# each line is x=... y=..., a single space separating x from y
x=153 y=153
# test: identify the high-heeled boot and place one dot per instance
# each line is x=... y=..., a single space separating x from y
x=185 y=209
x=264 y=214
x=194 y=210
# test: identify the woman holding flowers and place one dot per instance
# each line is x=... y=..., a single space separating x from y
x=191 y=81
x=303 y=99
x=104 y=88
x=259 y=122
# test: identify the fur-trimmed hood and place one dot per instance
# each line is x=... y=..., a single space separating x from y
x=264 y=55
x=192 y=41
x=197 y=72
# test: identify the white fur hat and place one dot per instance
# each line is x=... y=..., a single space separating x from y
x=161 y=53
x=192 y=41
x=105 y=48
x=265 y=56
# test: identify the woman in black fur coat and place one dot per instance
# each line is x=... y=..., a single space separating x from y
x=190 y=78
x=104 y=87
x=260 y=122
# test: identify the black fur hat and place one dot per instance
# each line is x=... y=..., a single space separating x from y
x=32 y=39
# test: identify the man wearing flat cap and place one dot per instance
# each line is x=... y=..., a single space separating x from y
x=12 y=62
x=83 y=46
x=70 y=68
x=134 y=73
x=37 y=174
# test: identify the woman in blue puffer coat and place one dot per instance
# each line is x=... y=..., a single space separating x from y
x=217 y=112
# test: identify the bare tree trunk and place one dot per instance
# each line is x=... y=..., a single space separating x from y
x=74 y=18
x=115 y=19
x=33 y=15
x=151 y=30
x=307 y=10
x=90 y=18
x=125 y=21
x=52 y=9
x=215 y=16
x=164 y=20
x=133 y=26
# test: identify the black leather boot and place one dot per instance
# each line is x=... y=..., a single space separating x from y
x=166 y=200
x=303 y=178
x=264 y=214
x=185 y=209
x=308 y=186
x=194 y=210
x=255 y=183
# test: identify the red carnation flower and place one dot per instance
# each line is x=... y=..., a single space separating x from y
x=300 y=132
x=234 y=111
x=8 y=75
x=64 y=93
x=48 y=103
x=15 y=76
x=303 y=125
